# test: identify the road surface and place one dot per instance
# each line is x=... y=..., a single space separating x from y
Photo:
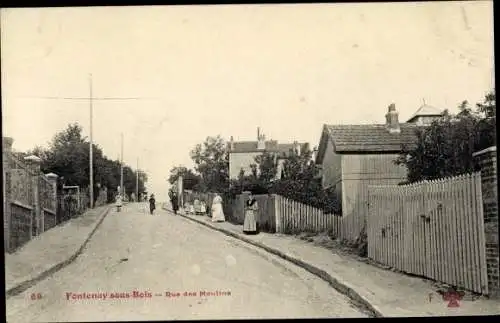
x=158 y=259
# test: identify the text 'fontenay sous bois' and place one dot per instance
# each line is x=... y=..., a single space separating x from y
x=142 y=294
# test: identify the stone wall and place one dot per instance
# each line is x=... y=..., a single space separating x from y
x=27 y=193
x=487 y=162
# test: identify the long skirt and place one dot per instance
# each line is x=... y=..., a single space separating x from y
x=250 y=224
x=218 y=213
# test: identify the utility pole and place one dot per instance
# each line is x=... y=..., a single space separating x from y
x=121 y=170
x=91 y=156
x=137 y=181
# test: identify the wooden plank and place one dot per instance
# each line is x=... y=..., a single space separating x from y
x=473 y=236
x=476 y=250
x=459 y=232
x=402 y=228
x=455 y=263
x=370 y=224
x=387 y=228
x=481 y=234
x=398 y=230
x=422 y=237
x=375 y=222
x=414 y=231
x=451 y=257
x=469 y=247
x=429 y=208
x=387 y=225
x=438 y=227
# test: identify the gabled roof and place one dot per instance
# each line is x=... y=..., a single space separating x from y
x=373 y=138
x=426 y=111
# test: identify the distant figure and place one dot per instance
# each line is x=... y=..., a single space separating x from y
x=118 y=202
x=217 y=211
x=175 y=203
x=197 y=206
x=203 y=207
x=152 y=203
x=250 y=224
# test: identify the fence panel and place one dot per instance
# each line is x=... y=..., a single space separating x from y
x=434 y=229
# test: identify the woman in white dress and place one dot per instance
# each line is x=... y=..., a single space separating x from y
x=217 y=211
x=250 y=223
x=118 y=202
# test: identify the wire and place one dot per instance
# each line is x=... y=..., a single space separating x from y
x=84 y=98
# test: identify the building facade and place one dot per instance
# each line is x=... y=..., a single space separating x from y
x=242 y=154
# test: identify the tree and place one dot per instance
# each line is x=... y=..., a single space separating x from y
x=298 y=182
x=445 y=148
x=190 y=179
x=267 y=165
x=212 y=163
x=68 y=157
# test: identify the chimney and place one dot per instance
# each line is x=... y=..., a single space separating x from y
x=391 y=119
x=258 y=133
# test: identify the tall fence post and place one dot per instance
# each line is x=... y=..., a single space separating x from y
x=52 y=178
x=487 y=160
x=277 y=213
x=34 y=169
x=6 y=151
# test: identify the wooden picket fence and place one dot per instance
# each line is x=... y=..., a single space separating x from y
x=433 y=229
x=296 y=217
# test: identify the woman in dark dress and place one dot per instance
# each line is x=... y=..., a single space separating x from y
x=175 y=203
x=250 y=223
x=152 y=203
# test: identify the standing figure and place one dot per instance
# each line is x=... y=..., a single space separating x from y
x=152 y=203
x=250 y=223
x=217 y=211
x=175 y=203
x=197 y=206
x=118 y=202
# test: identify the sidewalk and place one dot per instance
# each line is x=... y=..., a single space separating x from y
x=50 y=251
x=384 y=292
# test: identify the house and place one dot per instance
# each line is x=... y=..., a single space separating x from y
x=242 y=153
x=351 y=157
x=425 y=115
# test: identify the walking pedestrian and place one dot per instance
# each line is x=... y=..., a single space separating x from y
x=175 y=203
x=217 y=210
x=152 y=203
x=118 y=202
x=250 y=223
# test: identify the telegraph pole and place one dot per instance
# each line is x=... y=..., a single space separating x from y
x=137 y=181
x=91 y=157
x=121 y=170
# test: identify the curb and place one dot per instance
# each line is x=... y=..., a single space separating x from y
x=336 y=283
x=21 y=287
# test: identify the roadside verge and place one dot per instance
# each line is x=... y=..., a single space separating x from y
x=51 y=251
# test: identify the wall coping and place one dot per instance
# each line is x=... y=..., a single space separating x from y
x=490 y=149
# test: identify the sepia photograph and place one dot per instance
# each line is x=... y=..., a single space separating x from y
x=256 y=161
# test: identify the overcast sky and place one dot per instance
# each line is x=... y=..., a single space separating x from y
x=208 y=70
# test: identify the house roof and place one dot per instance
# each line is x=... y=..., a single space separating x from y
x=426 y=110
x=270 y=145
x=373 y=138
